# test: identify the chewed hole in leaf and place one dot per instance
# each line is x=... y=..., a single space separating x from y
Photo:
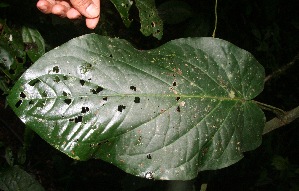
x=68 y=101
x=22 y=95
x=85 y=109
x=18 y=104
x=56 y=69
x=64 y=93
x=178 y=109
x=97 y=90
x=31 y=102
x=133 y=88
x=82 y=82
x=137 y=100
x=56 y=79
x=120 y=108
x=78 y=119
x=33 y=82
x=149 y=156
x=44 y=94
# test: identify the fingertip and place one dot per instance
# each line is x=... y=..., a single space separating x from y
x=44 y=6
x=92 y=23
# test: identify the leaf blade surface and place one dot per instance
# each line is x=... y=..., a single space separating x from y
x=166 y=113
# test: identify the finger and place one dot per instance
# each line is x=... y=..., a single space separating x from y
x=92 y=23
x=60 y=10
x=73 y=14
x=88 y=8
x=45 y=6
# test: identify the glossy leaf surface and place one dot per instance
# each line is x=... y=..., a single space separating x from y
x=166 y=113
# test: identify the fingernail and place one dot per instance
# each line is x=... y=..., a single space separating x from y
x=92 y=10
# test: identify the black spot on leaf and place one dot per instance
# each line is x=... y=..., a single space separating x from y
x=174 y=83
x=111 y=56
x=133 y=88
x=68 y=101
x=31 y=102
x=177 y=98
x=71 y=119
x=105 y=98
x=64 y=93
x=65 y=78
x=18 y=104
x=33 y=82
x=120 y=108
x=56 y=69
x=137 y=100
x=85 y=109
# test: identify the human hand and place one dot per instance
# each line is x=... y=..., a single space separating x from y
x=73 y=9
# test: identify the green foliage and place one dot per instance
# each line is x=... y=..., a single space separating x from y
x=151 y=23
x=34 y=43
x=174 y=12
x=187 y=96
x=14 y=178
x=15 y=44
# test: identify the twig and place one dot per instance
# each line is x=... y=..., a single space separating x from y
x=282 y=69
x=216 y=19
x=284 y=120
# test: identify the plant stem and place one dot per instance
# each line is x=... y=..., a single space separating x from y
x=281 y=121
x=282 y=69
x=278 y=112
x=216 y=19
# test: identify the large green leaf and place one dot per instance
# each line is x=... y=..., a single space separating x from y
x=166 y=113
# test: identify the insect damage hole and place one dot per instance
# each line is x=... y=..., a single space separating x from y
x=133 y=88
x=18 y=104
x=149 y=156
x=85 y=109
x=97 y=90
x=68 y=101
x=178 y=109
x=56 y=69
x=82 y=82
x=137 y=100
x=22 y=95
x=120 y=108
x=78 y=119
